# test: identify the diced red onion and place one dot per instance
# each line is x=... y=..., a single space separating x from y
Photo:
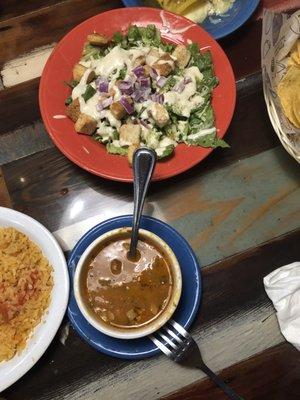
x=102 y=84
x=141 y=94
x=157 y=98
x=139 y=71
x=137 y=94
x=126 y=87
x=107 y=102
x=145 y=82
x=179 y=87
x=153 y=73
x=161 y=81
x=104 y=104
x=128 y=106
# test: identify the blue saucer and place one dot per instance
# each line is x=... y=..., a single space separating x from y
x=185 y=312
x=220 y=26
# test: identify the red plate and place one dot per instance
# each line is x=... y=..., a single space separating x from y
x=91 y=155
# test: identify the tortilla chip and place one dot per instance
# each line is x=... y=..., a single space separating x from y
x=288 y=92
x=296 y=108
x=295 y=54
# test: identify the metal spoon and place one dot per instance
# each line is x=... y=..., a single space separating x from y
x=144 y=161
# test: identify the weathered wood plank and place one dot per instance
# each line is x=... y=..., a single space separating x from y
x=4 y=195
x=24 y=141
x=15 y=8
x=236 y=321
x=26 y=67
x=243 y=48
x=270 y=375
x=231 y=207
x=46 y=25
x=21 y=105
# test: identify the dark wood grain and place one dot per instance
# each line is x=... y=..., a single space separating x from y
x=24 y=141
x=239 y=279
x=14 y=8
x=21 y=105
x=271 y=375
x=69 y=366
x=243 y=48
x=4 y=195
x=46 y=25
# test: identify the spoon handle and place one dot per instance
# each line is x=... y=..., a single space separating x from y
x=143 y=165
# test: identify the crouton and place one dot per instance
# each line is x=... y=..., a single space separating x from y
x=131 y=149
x=91 y=76
x=73 y=110
x=147 y=70
x=112 y=92
x=85 y=124
x=182 y=55
x=152 y=56
x=165 y=65
x=78 y=72
x=96 y=39
x=159 y=114
x=129 y=134
x=118 y=110
x=141 y=60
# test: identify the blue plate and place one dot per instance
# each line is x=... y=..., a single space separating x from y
x=220 y=26
x=185 y=312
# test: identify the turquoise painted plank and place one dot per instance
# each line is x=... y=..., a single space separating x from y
x=229 y=210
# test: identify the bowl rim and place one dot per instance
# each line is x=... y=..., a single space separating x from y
x=158 y=322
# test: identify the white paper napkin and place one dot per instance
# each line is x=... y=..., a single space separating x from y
x=283 y=288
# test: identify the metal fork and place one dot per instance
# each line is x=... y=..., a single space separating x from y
x=179 y=345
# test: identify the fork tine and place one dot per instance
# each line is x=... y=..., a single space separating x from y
x=169 y=341
x=179 y=328
x=161 y=346
x=171 y=333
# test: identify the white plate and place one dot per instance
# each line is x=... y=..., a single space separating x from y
x=12 y=370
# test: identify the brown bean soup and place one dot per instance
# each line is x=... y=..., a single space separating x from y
x=127 y=293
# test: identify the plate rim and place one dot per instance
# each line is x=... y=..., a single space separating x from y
x=252 y=6
x=192 y=312
x=112 y=176
x=38 y=349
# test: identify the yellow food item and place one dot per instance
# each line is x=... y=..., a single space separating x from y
x=177 y=6
x=25 y=290
x=288 y=93
x=295 y=54
x=196 y=10
x=296 y=107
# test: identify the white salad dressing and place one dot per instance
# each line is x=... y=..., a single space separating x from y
x=203 y=132
x=183 y=102
x=186 y=101
x=165 y=142
x=81 y=87
x=89 y=107
x=116 y=59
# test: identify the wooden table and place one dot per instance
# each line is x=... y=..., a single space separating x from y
x=239 y=209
